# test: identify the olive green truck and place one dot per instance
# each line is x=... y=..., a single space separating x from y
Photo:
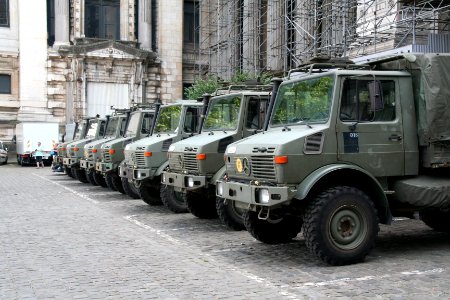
x=347 y=147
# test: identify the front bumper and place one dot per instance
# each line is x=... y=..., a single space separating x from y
x=87 y=164
x=105 y=167
x=182 y=182
x=70 y=161
x=134 y=174
x=251 y=194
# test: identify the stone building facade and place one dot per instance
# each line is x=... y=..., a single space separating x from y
x=67 y=59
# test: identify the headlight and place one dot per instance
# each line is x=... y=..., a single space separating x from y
x=264 y=196
x=190 y=182
x=86 y=154
x=163 y=178
x=220 y=189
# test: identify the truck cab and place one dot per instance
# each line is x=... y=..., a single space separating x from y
x=340 y=155
x=75 y=150
x=146 y=158
x=79 y=133
x=196 y=163
x=114 y=129
x=140 y=125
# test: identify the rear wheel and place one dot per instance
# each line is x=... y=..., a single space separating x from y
x=274 y=230
x=90 y=176
x=130 y=189
x=174 y=201
x=229 y=214
x=201 y=205
x=100 y=179
x=437 y=219
x=149 y=190
x=341 y=225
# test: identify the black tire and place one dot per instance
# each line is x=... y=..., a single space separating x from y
x=81 y=175
x=437 y=219
x=117 y=182
x=100 y=179
x=109 y=181
x=90 y=176
x=340 y=225
x=201 y=205
x=275 y=230
x=73 y=172
x=130 y=189
x=229 y=214
x=174 y=201
x=149 y=190
x=68 y=171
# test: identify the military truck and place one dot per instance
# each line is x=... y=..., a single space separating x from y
x=146 y=158
x=75 y=149
x=114 y=129
x=196 y=163
x=81 y=129
x=140 y=125
x=348 y=146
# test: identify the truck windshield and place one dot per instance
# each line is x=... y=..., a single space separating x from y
x=223 y=114
x=80 y=130
x=133 y=125
x=111 y=127
x=92 y=129
x=303 y=102
x=168 y=119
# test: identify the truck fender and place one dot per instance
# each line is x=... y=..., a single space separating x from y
x=377 y=192
x=161 y=168
x=219 y=174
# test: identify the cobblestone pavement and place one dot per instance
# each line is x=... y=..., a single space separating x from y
x=63 y=239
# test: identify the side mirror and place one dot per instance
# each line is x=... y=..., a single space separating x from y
x=375 y=96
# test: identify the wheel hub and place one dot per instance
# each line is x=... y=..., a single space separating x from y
x=347 y=228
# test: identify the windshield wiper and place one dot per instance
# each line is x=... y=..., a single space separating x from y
x=285 y=128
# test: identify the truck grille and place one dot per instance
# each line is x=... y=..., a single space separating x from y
x=190 y=162
x=186 y=161
x=139 y=159
x=106 y=157
x=263 y=167
x=90 y=155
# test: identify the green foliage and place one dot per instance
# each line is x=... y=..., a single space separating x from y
x=307 y=100
x=223 y=114
x=202 y=86
x=168 y=119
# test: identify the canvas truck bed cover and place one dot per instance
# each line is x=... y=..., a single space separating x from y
x=424 y=191
x=431 y=83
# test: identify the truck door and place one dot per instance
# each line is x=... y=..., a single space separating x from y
x=369 y=126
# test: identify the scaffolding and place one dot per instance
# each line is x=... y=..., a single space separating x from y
x=257 y=36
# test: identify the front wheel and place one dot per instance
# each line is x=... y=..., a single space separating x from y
x=230 y=215
x=149 y=190
x=130 y=189
x=201 y=205
x=341 y=225
x=100 y=179
x=81 y=175
x=174 y=201
x=277 y=228
x=90 y=176
x=109 y=181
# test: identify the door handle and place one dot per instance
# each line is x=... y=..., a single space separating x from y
x=395 y=138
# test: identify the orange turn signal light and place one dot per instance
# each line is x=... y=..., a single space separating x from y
x=148 y=154
x=201 y=156
x=280 y=160
x=63 y=149
x=112 y=151
x=94 y=150
x=76 y=149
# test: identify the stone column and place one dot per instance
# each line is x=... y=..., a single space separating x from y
x=124 y=21
x=145 y=24
x=61 y=23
